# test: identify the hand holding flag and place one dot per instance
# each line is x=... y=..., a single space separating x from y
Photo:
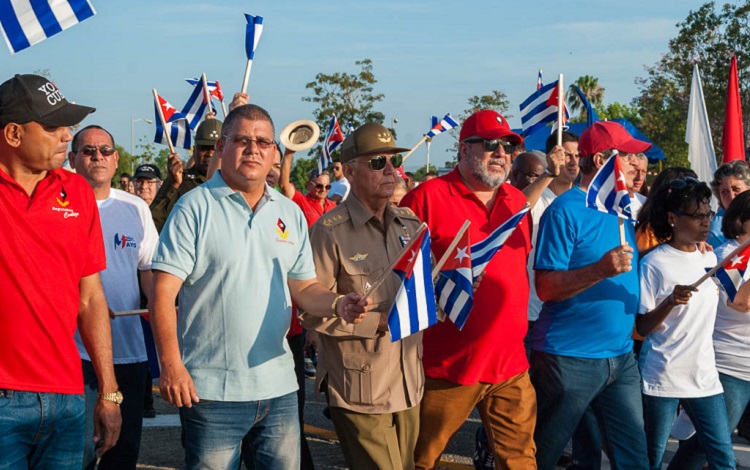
x=253 y=31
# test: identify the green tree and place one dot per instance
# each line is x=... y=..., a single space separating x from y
x=709 y=36
x=617 y=110
x=591 y=89
x=422 y=171
x=300 y=172
x=496 y=100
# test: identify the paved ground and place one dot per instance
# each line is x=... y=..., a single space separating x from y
x=161 y=449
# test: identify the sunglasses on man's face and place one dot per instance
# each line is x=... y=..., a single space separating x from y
x=90 y=150
x=378 y=163
x=320 y=187
x=492 y=145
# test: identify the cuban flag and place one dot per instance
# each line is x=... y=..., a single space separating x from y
x=482 y=252
x=414 y=308
x=253 y=31
x=177 y=126
x=334 y=138
x=446 y=124
x=28 y=22
x=196 y=107
x=214 y=88
x=733 y=274
x=540 y=109
x=608 y=191
x=539 y=80
x=349 y=128
x=454 y=286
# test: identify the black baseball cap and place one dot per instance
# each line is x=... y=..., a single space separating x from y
x=27 y=98
x=147 y=170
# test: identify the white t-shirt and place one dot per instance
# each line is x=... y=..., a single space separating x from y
x=535 y=305
x=636 y=202
x=130 y=238
x=732 y=331
x=677 y=358
x=340 y=187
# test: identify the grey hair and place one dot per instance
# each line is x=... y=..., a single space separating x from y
x=737 y=168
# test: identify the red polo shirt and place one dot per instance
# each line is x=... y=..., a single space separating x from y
x=311 y=207
x=490 y=348
x=49 y=242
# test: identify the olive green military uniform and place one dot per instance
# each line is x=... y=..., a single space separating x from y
x=167 y=196
x=373 y=385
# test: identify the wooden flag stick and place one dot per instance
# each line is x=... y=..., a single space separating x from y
x=389 y=271
x=451 y=247
x=560 y=108
x=163 y=122
x=247 y=76
x=621 y=224
x=224 y=109
x=125 y=313
x=727 y=259
x=421 y=141
x=206 y=93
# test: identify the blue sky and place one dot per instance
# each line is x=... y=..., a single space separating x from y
x=428 y=57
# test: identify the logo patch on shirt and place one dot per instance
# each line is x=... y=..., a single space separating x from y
x=281 y=229
x=123 y=241
x=62 y=205
x=62 y=200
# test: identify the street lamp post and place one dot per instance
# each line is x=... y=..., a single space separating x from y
x=132 y=143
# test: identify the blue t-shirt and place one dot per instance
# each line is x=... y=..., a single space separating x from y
x=598 y=322
x=716 y=237
x=235 y=306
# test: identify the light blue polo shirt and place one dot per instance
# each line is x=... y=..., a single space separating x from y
x=235 y=306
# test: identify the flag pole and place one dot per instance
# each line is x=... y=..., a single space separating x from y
x=451 y=247
x=728 y=258
x=163 y=121
x=560 y=108
x=621 y=225
x=389 y=271
x=427 y=167
x=224 y=109
x=247 y=76
x=421 y=141
x=206 y=93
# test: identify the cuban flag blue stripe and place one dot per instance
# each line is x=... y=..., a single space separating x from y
x=46 y=17
x=12 y=28
x=482 y=252
x=195 y=108
x=727 y=283
x=453 y=297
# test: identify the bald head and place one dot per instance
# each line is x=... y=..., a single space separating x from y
x=527 y=167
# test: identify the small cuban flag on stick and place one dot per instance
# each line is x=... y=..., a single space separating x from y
x=454 y=279
x=253 y=31
x=608 y=192
x=732 y=271
x=482 y=252
x=171 y=126
x=334 y=137
x=214 y=89
x=414 y=308
x=28 y=22
x=446 y=124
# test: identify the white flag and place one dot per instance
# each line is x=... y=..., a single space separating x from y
x=698 y=134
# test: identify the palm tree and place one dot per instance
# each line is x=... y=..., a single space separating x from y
x=590 y=87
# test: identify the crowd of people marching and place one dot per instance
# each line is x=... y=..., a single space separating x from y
x=583 y=329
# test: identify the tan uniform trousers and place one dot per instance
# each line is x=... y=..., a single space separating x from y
x=377 y=441
x=507 y=409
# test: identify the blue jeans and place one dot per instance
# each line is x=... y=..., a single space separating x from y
x=213 y=432
x=40 y=430
x=566 y=386
x=690 y=455
x=709 y=416
x=131 y=378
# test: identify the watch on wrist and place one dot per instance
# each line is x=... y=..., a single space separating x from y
x=114 y=397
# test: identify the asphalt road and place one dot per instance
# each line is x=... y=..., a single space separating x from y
x=161 y=448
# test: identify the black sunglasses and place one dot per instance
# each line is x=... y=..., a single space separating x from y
x=492 y=145
x=90 y=150
x=378 y=163
x=682 y=183
x=322 y=186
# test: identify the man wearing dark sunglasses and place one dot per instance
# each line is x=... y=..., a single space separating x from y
x=484 y=365
x=180 y=180
x=340 y=185
x=126 y=220
x=582 y=350
x=49 y=269
x=373 y=386
x=313 y=204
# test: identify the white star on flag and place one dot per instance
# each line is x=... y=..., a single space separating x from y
x=461 y=253
x=737 y=260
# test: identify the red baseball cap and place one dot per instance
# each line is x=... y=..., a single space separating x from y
x=605 y=135
x=488 y=124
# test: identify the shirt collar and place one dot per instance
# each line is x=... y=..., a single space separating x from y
x=360 y=215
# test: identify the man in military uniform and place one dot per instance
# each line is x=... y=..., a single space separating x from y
x=373 y=385
x=181 y=180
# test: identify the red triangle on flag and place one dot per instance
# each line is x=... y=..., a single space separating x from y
x=460 y=257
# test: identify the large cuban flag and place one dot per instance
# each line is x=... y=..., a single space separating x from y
x=608 y=192
x=454 y=286
x=414 y=308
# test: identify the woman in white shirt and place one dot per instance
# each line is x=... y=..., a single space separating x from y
x=731 y=336
x=677 y=358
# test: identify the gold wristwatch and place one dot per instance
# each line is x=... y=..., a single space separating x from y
x=114 y=397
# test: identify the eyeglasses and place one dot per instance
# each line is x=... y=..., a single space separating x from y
x=244 y=142
x=322 y=186
x=707 y=217
x=90 y=150
x=378 y=163
x=145 y=182
x=492 y=145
